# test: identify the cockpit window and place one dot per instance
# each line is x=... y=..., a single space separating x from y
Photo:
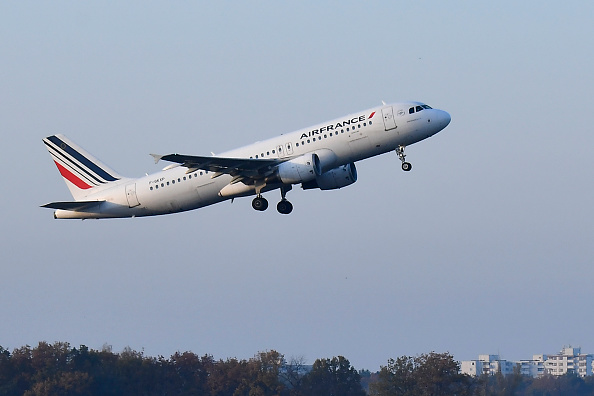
x=418 y=108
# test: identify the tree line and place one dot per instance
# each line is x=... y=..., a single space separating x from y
x=60 y=369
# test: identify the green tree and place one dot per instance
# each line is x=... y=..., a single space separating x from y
x=397 y=378
x=427 y=374
x=439 y=374
x=189 y=373
x=332 y=377
x=262 y=377
x=224 y=377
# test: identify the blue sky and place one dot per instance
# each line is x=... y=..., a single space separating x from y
x=485 y=247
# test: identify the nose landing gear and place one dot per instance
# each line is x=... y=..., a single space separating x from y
x=406 y=166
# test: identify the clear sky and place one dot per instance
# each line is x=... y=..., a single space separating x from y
x=485 y=247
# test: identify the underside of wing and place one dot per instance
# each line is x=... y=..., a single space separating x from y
x=72 y=205
x=239 y=168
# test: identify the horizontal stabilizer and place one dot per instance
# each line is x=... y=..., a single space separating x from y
x=156 y=157
x=76 y=205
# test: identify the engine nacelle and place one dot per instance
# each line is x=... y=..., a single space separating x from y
x=327 y=159
x=299 y=170
x=336 y=178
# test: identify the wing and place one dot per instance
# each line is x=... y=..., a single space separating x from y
x=239 y=168
x=75 y=205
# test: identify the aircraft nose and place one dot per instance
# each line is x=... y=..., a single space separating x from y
x=444 y=118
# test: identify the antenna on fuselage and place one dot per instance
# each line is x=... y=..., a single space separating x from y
x=384 y=103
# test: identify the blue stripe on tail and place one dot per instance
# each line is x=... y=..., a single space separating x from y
x=81 y=158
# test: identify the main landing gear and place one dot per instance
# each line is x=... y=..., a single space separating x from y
x=284 y=207
x=406 y=166
x=260 y=203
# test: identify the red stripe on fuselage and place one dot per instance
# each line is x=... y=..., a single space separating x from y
x=71 y=177
x=371 y=116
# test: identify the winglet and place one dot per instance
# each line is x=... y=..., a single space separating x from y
x=156 y=157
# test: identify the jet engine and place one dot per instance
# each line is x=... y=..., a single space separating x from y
x=299 y=170
x=333 y=179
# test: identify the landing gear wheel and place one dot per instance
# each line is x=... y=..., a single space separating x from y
x=406 y=166
x=284 y=207
x=260 y=203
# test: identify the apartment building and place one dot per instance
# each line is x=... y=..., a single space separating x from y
x=569 y=361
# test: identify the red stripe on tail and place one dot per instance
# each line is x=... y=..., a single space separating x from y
x=71 y=177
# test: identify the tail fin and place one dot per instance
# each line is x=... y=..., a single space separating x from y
x=81 y=171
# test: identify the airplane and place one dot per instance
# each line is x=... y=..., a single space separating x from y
x=322 y=156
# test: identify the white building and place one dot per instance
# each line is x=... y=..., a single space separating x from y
x=487 y=364
x=569 y=360
x=533 y=368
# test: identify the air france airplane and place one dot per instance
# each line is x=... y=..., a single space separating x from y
x=322 y=156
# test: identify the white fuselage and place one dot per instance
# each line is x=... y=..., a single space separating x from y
x=340 y=141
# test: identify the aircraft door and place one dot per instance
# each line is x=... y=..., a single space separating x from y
x=389 y=121
x=289 y=149
x=285 y=150
x=131 y=195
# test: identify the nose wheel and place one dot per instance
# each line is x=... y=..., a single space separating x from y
x=406 y=166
